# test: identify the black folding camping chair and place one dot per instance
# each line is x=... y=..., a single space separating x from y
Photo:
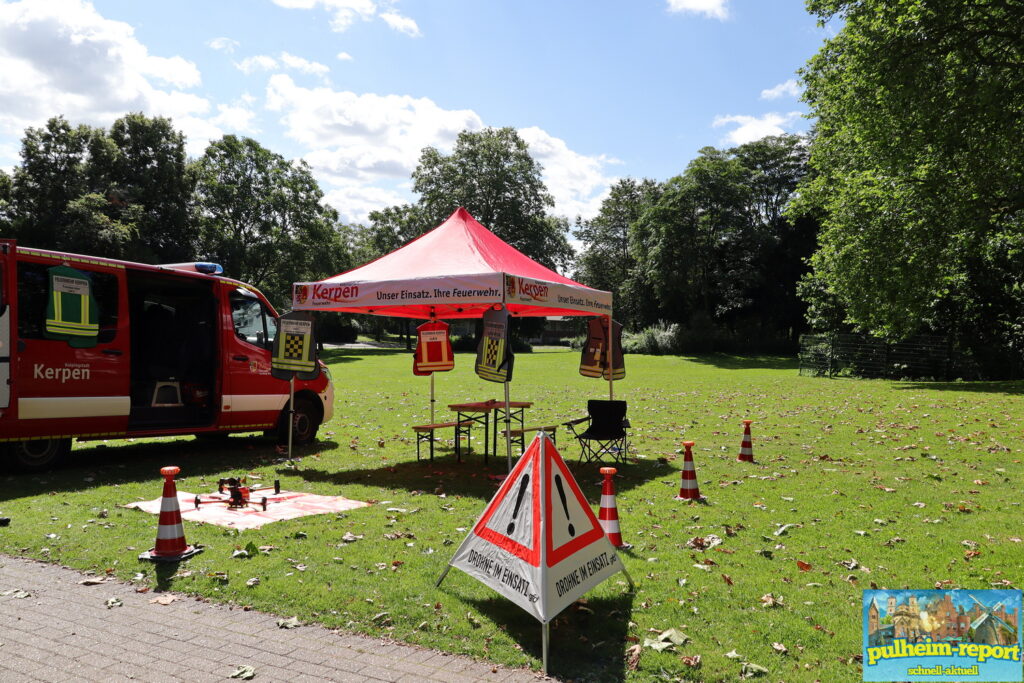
x=605 y=432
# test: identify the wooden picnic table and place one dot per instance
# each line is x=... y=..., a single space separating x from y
x=480 y=412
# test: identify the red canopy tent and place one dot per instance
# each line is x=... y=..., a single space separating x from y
x=457 y=270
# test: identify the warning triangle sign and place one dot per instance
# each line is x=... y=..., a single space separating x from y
x=538 y=542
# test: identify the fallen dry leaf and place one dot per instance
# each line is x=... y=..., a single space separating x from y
x=633 y=656
x=165 y=599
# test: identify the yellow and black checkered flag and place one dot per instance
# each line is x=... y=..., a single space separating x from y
x=494 y=357
x=294 y=347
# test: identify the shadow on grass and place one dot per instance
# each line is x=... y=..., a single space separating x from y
x=1015 y=388
x=471 y=478
x=728 y=362
x=335 y=355
x=141 y=462
x=586 y=640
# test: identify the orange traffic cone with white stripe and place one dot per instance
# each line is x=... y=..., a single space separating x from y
x=747 y=447
x=609 y=513
x=688 y=488
x=170 y=534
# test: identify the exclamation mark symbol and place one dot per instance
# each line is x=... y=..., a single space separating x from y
x=565 y=506
x=519 y=501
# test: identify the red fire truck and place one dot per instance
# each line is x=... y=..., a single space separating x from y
x=94 y=348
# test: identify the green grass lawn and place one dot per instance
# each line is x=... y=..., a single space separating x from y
x=888 y=484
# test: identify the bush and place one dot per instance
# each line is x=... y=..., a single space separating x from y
x=658 y=340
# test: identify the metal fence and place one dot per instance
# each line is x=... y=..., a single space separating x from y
x=856 y=355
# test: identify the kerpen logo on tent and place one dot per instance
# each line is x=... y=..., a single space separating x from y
x=338 y=294
x=532 y=290
x=301 y=293
x=510 y=285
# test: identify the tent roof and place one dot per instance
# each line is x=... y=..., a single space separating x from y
x=459 y=246
x=456 y=270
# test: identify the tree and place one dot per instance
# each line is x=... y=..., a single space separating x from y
x=919 y=167
x=491 y=173
x=779 y=244
x=607 y=260
x=263 y=219
x=689 y=243
x=5 y=203
x=147 y=171
x=122 y=194
x=392 y=228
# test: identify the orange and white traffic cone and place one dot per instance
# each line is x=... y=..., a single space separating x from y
x=688 y=488
x=170 y=534
x=609 y=513
x=746 y=448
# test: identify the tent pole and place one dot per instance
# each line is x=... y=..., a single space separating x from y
x=608 y=365
x=431 y=398
x=544 y=646
x=508 y=428
x=291 y=416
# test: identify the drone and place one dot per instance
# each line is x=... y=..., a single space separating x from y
x=239 y=494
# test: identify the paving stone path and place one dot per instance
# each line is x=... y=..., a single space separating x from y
x=64 y=631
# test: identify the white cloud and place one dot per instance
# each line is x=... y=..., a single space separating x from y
x=345 y=57
x=256 y=63
x=357 y=142
x=63 y=57
x=576 y=181
x=401 y=24
x=236 y=117
x=750 y=128
x=714 y=9
x=285 y=60
x=223 y=44
x=790 y=88
x=304 y=65
x=174 y=71
x=344 y=13
x=355 y=200
x=365 y=136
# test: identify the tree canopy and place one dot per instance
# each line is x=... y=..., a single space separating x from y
x=263 y=217
x=122 y=192
x=919 y=170
x=710 y=249
x=491 y=173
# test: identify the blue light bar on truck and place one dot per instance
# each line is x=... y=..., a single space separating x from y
x=204 y=267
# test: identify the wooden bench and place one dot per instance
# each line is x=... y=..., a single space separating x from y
x=518 y=436
x=426 y=433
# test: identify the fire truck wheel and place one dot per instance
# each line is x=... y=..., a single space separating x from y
x=38 y=454
x=306 y=422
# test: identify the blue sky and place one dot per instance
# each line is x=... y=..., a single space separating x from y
x=599 y=89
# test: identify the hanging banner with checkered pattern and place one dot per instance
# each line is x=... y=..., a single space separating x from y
x=494 y=357
x=295 y=348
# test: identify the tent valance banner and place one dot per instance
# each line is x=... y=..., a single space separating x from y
x=494 y=357
x=294 y=350
x=594 y=359
x=433 y=349
x=538 y=542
